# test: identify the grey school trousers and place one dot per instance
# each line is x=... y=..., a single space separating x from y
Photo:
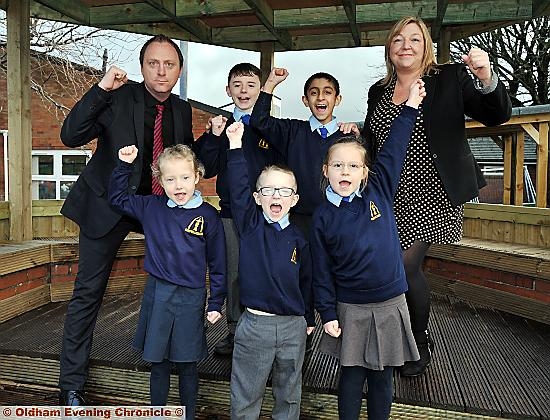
x=262 y=344
x=233 y=309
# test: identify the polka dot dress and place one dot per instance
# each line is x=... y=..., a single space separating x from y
x=422 y=208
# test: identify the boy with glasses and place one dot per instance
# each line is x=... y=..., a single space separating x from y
x=275 y=288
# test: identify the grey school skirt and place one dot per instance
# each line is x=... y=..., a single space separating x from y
x=373 y=335
x=171 y=323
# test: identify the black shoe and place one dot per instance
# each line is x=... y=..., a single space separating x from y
x=225 y=346
x=309 y=343
x=71 y=398
x=426 y=347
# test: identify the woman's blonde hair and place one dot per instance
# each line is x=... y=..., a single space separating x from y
x=429 y=61
x=178 y=151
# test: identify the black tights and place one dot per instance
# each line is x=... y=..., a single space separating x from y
x=418 y=296
x=379 y=393
x=188 y=384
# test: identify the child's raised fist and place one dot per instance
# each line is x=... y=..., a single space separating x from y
x=235 y=134
x=279 y=72
x=128 y=153
x=417 y=92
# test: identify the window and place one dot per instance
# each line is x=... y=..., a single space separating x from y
x=55 y=171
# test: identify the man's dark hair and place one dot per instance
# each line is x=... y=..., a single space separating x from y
x=160 y=38
x=325 y=76
x=244 y=69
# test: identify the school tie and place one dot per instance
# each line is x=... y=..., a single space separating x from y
x=277 y=226
x=324 y=132
x=158 y=147
x=246 y=119
x=346 y=199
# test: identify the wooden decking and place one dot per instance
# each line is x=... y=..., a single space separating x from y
x=486 y=363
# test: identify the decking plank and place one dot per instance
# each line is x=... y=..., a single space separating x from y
x=472 y=344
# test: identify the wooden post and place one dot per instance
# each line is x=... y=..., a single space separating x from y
x=444 y=46
x=267 y=59
x=520 y=146
x=19 y=120
x=542 y=165
x=507 y=181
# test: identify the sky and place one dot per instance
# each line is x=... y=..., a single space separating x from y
x=356 y=69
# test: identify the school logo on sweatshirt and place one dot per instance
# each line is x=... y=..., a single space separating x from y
x=196 y=226
x=262 y=144
x=374 y=212
x=294 y=258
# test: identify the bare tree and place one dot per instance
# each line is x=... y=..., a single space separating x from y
x=520 y=54
x=67 y=59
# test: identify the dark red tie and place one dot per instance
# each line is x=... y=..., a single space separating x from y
x=158 y=147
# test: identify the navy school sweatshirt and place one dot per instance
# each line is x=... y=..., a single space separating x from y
x=179 y=243
x=303 y=151
x=274 y=266
x=355 y=246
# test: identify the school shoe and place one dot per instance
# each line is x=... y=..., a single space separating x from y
x=426 y=346
x=71 y=398
x=225 y=346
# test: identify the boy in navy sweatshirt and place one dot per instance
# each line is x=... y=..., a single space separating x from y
x=243 y=86
x=303 y=144
x=275 y=289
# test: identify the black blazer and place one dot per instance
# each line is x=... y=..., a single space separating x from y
x=116 y=119
x=451 y=94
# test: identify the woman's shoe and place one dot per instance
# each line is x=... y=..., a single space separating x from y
x=426 y=346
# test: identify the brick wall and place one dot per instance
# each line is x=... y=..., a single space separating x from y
x=518 y=284
x=47 y=118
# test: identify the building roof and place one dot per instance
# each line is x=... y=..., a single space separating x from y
x=487 y=152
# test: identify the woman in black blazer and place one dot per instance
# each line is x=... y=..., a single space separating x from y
x=440 y=173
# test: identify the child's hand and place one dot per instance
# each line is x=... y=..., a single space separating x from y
x=217 y=124
x=478 y=62
x=417 y=92
x=333 y=329
x=128 y=153
x=309 y=330
x=277 y=75
x=235 y=135
x=213 y=316
x=349 y=127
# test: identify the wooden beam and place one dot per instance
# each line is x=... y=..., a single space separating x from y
x=19 y=120
x=520 y=147
x=194 y=8
x=438 y=21
x=514 y=120
x=238 y=34
x=127 y=14
x=507 y=187
x=264 y=12
x=542 y=165
x=487 y=11
x=75 y=10
x=351 y=12
x=532 y=131
x=197 y=28
x=267 y=59
x=540 y=8
x=444 y=46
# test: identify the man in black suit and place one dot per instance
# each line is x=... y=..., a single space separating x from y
x=117 y=114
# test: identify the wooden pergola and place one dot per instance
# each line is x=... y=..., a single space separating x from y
x=267 y=26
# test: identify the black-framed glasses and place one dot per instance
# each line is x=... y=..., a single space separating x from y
x=352 y=166
x=270 y=191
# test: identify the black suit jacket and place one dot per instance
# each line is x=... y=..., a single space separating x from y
x=116 y=119
x=451 y=94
